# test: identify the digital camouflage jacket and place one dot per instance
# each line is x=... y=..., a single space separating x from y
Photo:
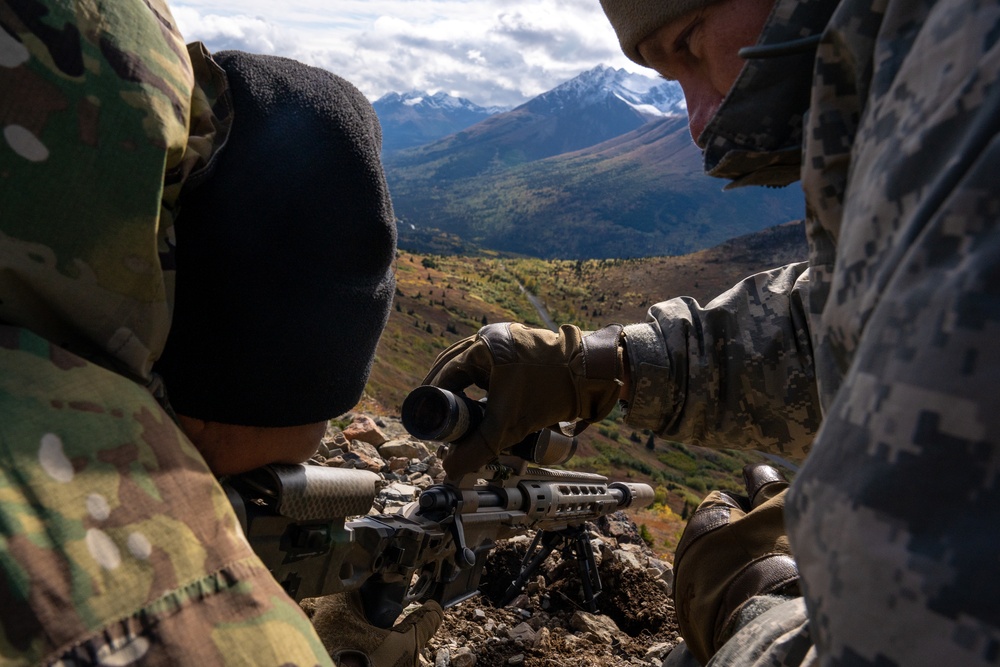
x=117 y=545
x=878 y=360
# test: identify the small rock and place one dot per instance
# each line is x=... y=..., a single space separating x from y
x=435 y=471
x=364 y=459
x=398 y=463
x=337 y=441
x=398 y=494
x=421 y=480
x=403 y=447
x=620 y=527
x=361 y=447
x=516 y=659
x=479 y=614
x=365 y=429
x=657 y=652
x=338 y=462
x=463 y=657
x=629 y=559
x=419 y=466
x=524 y=540
x=442 y=658
x=576 y=644
x=599 y=629
x=523 y=632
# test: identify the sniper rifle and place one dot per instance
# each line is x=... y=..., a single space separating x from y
x=310 y=525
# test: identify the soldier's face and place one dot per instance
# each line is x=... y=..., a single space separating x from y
x=699 y=51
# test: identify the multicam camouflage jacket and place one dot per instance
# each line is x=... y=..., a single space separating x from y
x=878 y=359
x=117 y=545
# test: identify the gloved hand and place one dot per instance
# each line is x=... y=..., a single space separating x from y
x=351 y=640
x=732 y=549
x=535 y=378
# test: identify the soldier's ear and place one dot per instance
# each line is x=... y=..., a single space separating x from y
x=193 y=427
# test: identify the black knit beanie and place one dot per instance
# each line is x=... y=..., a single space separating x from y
x=284 y=254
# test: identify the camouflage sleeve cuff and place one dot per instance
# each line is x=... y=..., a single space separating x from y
x=652 y=394
x=753 y=608
x=778 y=635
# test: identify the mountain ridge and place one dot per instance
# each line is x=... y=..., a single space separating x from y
x=415 y=117
x=582 y=171
x=642 y=193
x=586 y=110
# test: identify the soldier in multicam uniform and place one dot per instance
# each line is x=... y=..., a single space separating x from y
x=117 y=544
x=876 y=359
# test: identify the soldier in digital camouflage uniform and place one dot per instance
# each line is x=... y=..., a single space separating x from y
x=876 y=360
x=117 y=544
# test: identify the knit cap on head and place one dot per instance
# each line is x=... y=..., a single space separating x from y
x=284 y=254
x=635 y=20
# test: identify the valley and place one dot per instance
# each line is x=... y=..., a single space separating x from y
x=443 y=298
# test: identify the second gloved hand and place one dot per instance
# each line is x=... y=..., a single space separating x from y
x=535 y=378
x=353 y=642
x=733 y=549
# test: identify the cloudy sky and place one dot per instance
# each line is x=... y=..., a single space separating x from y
x=493 y=52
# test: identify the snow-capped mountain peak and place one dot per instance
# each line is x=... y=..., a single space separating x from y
x=417 y=117
x=438 y=101
x=650 y=96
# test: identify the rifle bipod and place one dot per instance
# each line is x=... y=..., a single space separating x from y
x=572 y=541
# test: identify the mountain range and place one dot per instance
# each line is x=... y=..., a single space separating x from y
x=600 y=166
x=416 y=118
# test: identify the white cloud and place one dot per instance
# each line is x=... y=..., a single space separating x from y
x=492 y=52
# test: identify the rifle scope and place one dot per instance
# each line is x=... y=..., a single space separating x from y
x=433 y=413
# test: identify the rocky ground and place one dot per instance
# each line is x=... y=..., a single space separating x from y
x=548 y=624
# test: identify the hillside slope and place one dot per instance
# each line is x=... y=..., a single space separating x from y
x=441 y=299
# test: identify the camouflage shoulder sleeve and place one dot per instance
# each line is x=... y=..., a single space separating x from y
x=736 y=373
x=97 y=97
x=895 y=517
x=117 y=545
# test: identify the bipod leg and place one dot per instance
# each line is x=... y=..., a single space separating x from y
x=529 y=566
x=590 y=578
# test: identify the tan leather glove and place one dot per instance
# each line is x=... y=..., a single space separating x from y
x=732 y=549
x=351 y=640
x=535 y=378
